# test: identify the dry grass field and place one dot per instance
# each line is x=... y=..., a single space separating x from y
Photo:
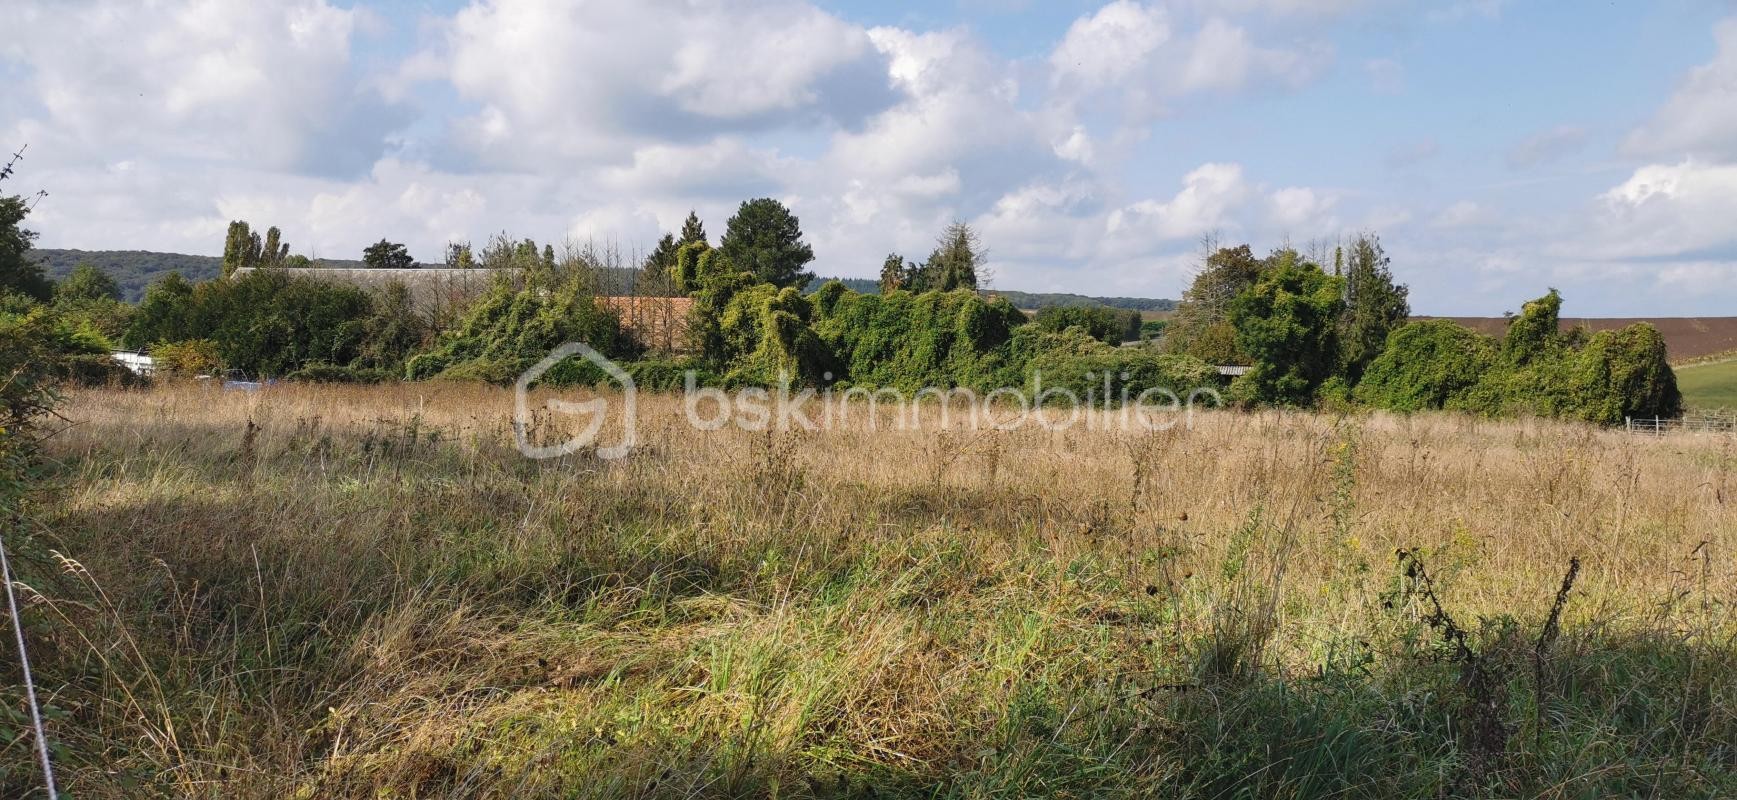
x=319 y=592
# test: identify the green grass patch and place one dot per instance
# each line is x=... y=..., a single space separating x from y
x=1709 y=385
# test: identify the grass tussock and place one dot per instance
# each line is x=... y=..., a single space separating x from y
x=367 y=592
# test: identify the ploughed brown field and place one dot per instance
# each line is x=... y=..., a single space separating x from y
x=1687 y=337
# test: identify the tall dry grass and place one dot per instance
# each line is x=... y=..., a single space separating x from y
x=367 y=592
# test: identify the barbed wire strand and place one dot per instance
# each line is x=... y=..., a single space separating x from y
x=29 y=684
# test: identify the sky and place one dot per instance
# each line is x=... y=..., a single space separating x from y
x=1499 y=149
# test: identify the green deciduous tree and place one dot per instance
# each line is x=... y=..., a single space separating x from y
x=1201 y=326
x=87 y=282
x=894 y=273
x=393 y=332
x=1109 y=325
x=387 y=255
x=765 y=239
x=1287 y=323
x=241 y=248
x=18 y=273
x=273 y=251
x=165 y=314
x=459 y=256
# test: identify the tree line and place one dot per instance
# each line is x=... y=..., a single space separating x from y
x=1311 y=334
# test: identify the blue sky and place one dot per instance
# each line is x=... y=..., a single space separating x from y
x=1498 y=148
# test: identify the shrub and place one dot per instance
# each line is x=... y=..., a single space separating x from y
x=512 y=327
x=1109 y=325
x=1626 y=373
x=1111 y=375
x=1426 y=365
x=266 y=323
x=913 y=341
x=190 y=357
x=28 y=352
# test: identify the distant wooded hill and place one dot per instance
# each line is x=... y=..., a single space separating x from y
x=136 y=269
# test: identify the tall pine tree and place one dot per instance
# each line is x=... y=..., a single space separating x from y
x=766 y=239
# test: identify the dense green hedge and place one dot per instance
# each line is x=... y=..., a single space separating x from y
x=1111 y=374
x=268 y=323
x=1536 y=369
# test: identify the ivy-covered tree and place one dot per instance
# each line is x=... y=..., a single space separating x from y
x=1537 y=333
x=387 y=255
x=1428 y=364
x=765 y=239
x=958 y=259
x=1288 y=324
x=1108 y=325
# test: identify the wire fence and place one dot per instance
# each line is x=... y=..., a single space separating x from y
x=1713 y=422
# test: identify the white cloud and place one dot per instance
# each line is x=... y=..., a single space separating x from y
x=267 y=83
x=589 y=81
x=1209 y=194
x=1700 y=118
x=1667 y=210
x=1076 y=147
x=1301 y=210
x=1136 y=48
x=1106 y=48
x=1223 y=58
